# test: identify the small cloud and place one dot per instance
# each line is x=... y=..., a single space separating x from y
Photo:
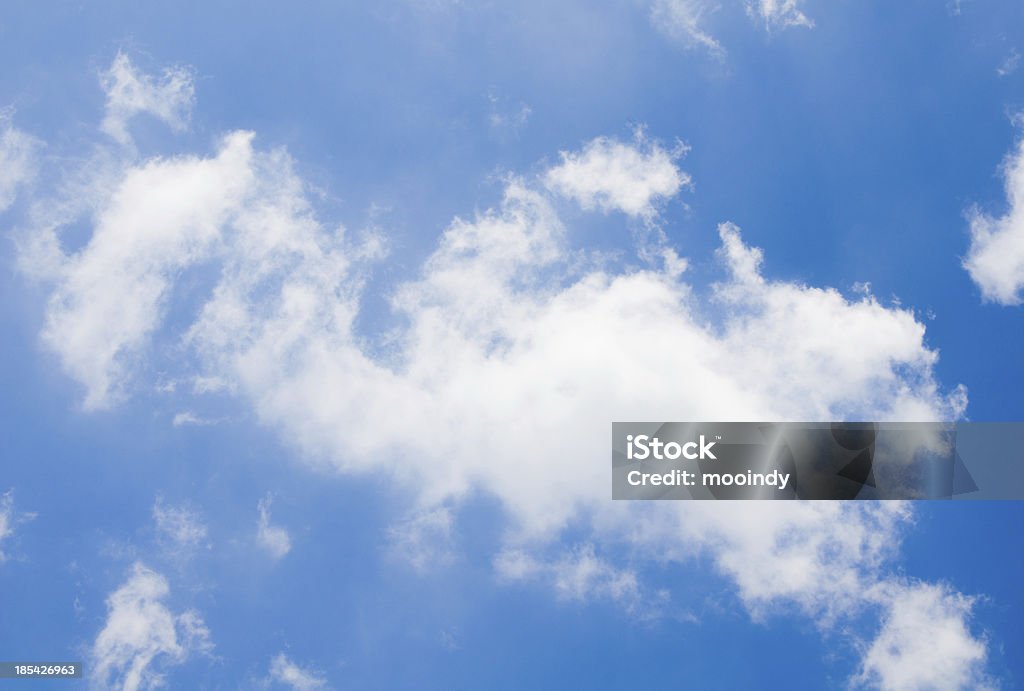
x=371 y=246
x=167 y=386
x=511 y=121
x=449 y=640
x=141 y=635
x=581 y=575
x=424 y=540
x=682 y=21
x=515 y=565
x=274 y=539
x=614 y=176
x=778 y=13
x=17 y=159
x=1010 y=64
x=861 y=288
x=129 y=92
x=201 y=385
x=284 y=671
x=187 y=417
x=8 y=519
x=506 y=119
x=181 y=526
x=995 y=258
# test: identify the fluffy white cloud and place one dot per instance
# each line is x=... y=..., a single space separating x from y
x=518 y=350
x=613 y=176
x=778 y=13
x=130 y=92
x=995 y=259
x=286 y=672
x=17 y=159
x=164 y=216
x=272 y=538
x=924 y=642
x=141 y=635
x=817 y=557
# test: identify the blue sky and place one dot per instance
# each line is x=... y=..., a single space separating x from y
x=245 y=448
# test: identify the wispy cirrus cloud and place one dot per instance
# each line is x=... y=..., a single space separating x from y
x=131 y=92
x=18 y=159
x=685 y=20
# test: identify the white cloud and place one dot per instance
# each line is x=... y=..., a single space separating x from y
x=142 y=636
x=424 y=539
x=682 y=20
x=778 y=13
x=17 y=159
x=131 y=92
x=819 y=557
x=510 y=121
x=9 y=518
x=183 y=527
x=449 y=640
x=187 y=417
x=995 y=259
x=164 y=216
x=580 y=574
x=519 y=350
x=613 y=176
x=924 y=642
x=1010 y=64
x=286 y=672
x=201 y=385
x=6 y=519
x=274 y=539
x=505 y=118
